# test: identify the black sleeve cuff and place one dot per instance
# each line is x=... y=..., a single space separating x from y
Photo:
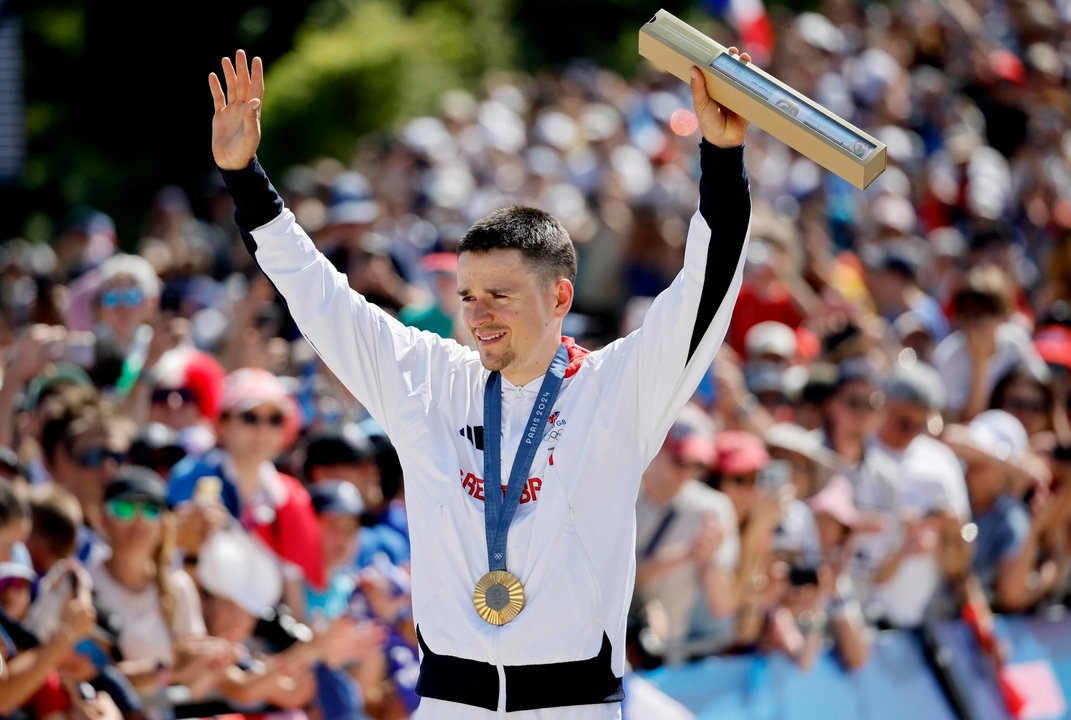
x=256 y=201
x=722 y=181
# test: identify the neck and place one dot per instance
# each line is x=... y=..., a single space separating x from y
x=133 y=573
x=536 y=366
x=847 y=444
x=248 y=479
x=884 y=437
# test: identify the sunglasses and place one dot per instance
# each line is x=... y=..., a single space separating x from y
x=14 y=583
x=175 y=397
x=252 y=419
x=908 y=426
x=94 y=457
x=126 y=510
x=1034 y=407
x=129 y=297
x=858 y=403
x=741 y=480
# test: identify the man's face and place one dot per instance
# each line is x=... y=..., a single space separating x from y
x=253 y=435
x=89 y=465
x=512 y=313
x=338 y=535
x=667 y=474
x=852 y=408
x=903 y=423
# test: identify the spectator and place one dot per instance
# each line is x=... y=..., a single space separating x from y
x=986 y=345
x=837 y=519
x=158 y=603
x=1006 y=554
x=240 y=589
x=258 y=420
x=850 y=412
x=352 y=456
x=56 y=521
x=686 y=541
x=922 y=548
x=84 y=440
x=439 y=316
x=1028 y=397
x=14 y=524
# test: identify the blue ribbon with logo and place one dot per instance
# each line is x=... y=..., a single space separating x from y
x=498 y=510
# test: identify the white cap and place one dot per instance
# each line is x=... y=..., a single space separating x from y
x=233 y=564
x=770 y=338
x=1000 y=435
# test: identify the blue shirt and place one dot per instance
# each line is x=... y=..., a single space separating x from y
x=1002 y=530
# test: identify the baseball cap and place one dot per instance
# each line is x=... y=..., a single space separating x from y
x=993 y=435
x=246 y=388
x=60 y=373
x=739 y=452
x=439 y=262
x=1053 y=343
x=334 y=496
x=230 y=564
x=133 y=482
x=346 y=446
x=919 y=385
x=16 y=570
x=762 y=376
x=691 y=438
x=770 y=338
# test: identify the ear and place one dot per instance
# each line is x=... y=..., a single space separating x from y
x=563 y=297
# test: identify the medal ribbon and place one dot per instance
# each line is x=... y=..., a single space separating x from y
x=499 y=511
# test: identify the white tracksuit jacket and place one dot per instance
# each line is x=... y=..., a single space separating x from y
x=572 y=541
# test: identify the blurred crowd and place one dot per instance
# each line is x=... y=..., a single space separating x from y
x=196 y=519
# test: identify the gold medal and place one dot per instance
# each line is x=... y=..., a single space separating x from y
x=498 y=597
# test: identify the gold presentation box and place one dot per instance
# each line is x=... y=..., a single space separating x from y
x=675 y=46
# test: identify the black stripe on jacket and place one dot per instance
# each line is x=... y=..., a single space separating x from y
x=725 y=204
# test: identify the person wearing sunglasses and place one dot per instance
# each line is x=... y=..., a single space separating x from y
x=258 y=421
x=126 y=299
x=85 y=440
x=910 y=556
x=158 y=602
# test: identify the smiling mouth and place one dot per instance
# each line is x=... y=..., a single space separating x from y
x=484 y=338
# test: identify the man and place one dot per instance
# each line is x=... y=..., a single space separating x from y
x=686 y=533
x=545 y=628
x=348 y=455
x=917 y=485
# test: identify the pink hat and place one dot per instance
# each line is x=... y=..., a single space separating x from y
x=440 y=262
x=836 y=500
x=739 y=452
x=691 y=438
x=246 y=388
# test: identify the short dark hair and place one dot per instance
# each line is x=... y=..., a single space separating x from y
x=542 y=240
x=57 y=516
x=13 y=505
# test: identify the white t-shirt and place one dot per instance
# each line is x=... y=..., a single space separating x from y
x=143 y=634
x=929 y=478
x=678 y=589
x=953 y=362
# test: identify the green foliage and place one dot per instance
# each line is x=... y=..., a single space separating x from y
x=359 y=66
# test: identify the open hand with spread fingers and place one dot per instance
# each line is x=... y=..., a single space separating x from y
x=236 y=123
x=720 y=125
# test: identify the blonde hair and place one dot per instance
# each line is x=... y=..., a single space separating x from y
x=165 y=552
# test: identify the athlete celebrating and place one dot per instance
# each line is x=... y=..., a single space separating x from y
x=523 y=457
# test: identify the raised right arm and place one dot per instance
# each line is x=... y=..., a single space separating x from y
x=389 y=367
